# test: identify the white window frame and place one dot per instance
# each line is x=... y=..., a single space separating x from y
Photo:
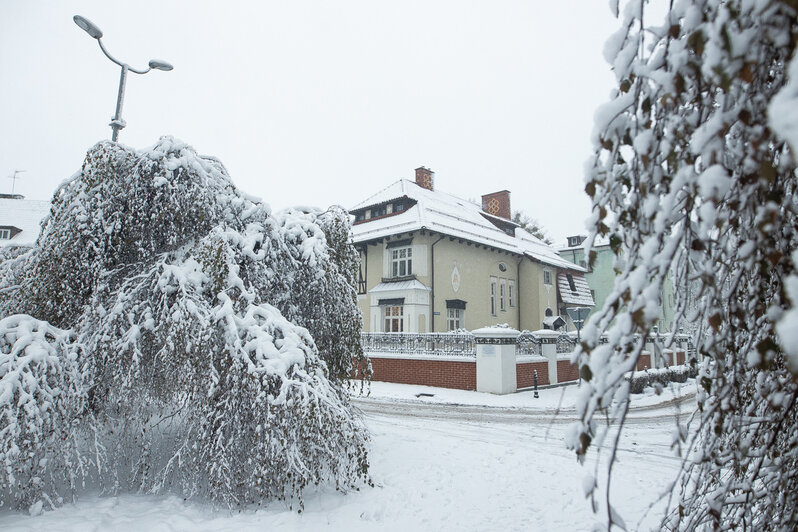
x=503 y=295
x=401 y=259
x=493 y=283
x=393 y=318
x=5 y=234
x=547 y=277
x=511 y=292
x=455 y=319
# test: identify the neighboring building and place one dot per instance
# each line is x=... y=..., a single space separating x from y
x=20 y=219
x=432 y=262
x=601 y=277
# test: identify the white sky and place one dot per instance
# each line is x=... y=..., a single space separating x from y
x=315 y=103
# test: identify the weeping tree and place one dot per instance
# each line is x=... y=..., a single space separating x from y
x=691 y=177
x=186 y=339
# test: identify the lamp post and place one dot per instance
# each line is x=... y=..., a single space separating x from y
x=94 y=32
x=578 y=316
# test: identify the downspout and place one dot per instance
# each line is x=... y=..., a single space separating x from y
x=518 y=290
x=368 y=300
x=432 y=286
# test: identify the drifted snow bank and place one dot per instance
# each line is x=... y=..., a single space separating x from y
x=187 y=361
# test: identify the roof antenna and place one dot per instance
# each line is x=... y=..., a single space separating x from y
x=14 y=178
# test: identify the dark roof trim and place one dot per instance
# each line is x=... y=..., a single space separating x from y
x=399 y=243
x=456 y=303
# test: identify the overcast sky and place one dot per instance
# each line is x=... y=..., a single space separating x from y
x=315 y=103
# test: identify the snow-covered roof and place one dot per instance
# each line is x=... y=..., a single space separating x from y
x=599 y=242
x=411 y=284
x=443 y=213
x=551 y=321
x=23 y=214
x=579 y=295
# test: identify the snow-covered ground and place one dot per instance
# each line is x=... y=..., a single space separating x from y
x=453 y=461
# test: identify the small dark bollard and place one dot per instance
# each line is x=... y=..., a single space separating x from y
x=535 y=375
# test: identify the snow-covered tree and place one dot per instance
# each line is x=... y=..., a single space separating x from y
x=211 y=336
x=531 y=225
x=691 y=177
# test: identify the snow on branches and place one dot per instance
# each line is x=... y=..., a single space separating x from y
x=689 y=179
x=214 y=336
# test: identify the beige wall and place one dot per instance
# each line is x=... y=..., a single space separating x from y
x=475 y=266
x=535 y=295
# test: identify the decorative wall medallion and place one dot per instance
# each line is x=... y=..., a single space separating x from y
x=455 y=278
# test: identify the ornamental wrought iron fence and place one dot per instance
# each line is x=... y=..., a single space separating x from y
x=528 y=344
x=565 y=343
x=461 y=343
x=435 y=344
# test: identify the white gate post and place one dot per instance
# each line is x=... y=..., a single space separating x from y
x=496 y=371
x=548 y=349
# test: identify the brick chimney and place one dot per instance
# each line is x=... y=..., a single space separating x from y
x=425 y=178
x=497 y=204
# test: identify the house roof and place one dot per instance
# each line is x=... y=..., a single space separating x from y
x=579 y=295
x=447 y=214
x=599 y=242
x=23 y=214
x=411 y=284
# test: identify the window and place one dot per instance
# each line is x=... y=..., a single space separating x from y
x=546 y=276
x=503 y=294
x=549 y=313
x=454 y=319
x=511 y=292
x=394 y=318
x=402 y=262
x=492 y=296
x=571 y=284
x=5 y=234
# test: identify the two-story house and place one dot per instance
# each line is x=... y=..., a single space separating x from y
x=601 y=277
x=433 y=262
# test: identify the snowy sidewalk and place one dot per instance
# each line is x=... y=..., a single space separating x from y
x=552 y=400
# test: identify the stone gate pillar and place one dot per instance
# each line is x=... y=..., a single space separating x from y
x=496 y=359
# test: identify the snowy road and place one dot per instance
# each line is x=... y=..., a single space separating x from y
x=435 y=467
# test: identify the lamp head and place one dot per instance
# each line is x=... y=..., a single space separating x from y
x=160 y=65
x=88 y=26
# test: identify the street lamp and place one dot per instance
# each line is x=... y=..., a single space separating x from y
x=96 y=33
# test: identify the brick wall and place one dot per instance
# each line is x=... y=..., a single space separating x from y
x=440 y=373
x=567 y=371
x=525 y=376
x=463 y=375
x=644 y=362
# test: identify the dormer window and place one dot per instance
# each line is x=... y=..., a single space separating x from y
x=574 y=241
x=5 y=234
x=571 y=282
